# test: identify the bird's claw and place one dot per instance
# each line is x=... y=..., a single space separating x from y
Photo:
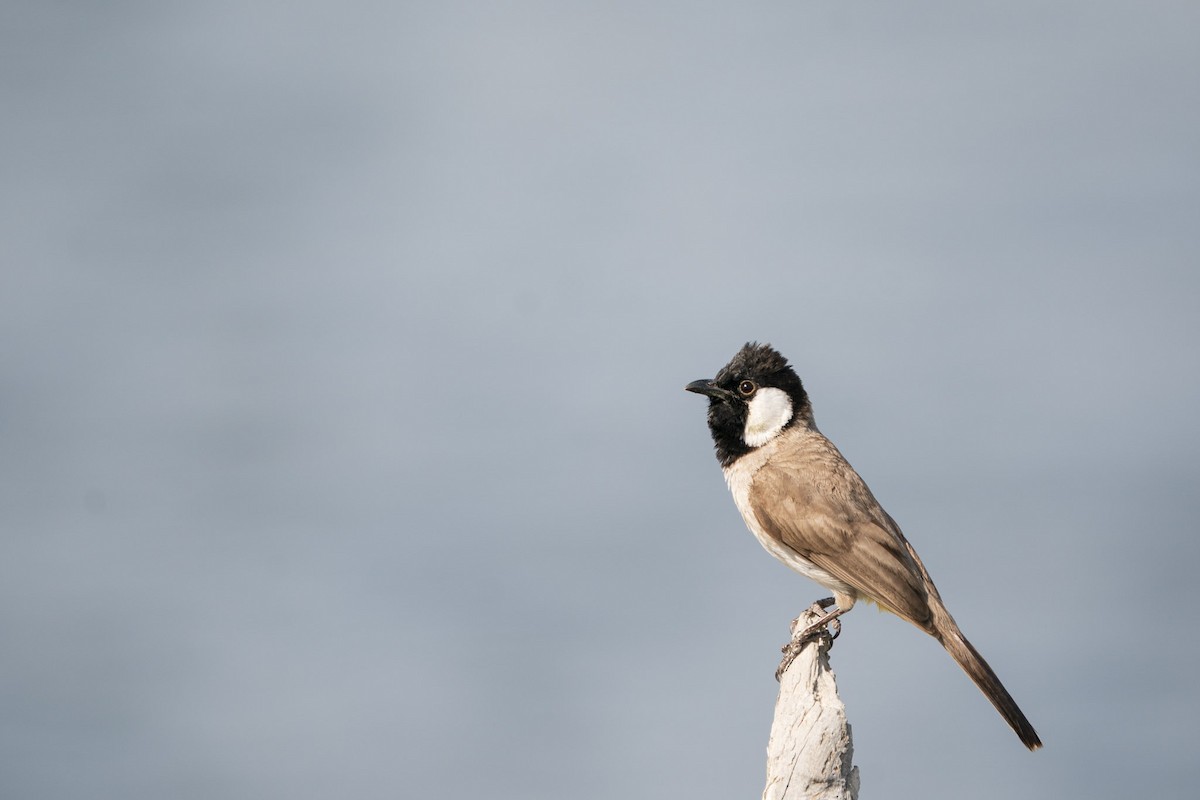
x=826 y=625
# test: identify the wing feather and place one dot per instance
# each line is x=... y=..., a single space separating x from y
x=825 y=513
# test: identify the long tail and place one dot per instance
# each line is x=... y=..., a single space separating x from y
x=978 y=670
x=938 y=623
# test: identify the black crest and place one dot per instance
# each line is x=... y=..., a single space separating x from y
x=757 y=362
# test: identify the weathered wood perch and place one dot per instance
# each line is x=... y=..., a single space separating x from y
x=810 y=753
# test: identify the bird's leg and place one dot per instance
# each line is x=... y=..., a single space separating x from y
x=812 y=632
x=830 y=619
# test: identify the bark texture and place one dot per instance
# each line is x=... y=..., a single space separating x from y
x=810 y=753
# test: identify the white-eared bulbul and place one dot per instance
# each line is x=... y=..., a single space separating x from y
x=811 y=510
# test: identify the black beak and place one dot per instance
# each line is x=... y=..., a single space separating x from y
x=711 y=389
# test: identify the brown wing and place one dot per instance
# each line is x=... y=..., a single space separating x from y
x=815 y=503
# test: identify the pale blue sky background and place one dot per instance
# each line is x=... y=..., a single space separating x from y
x=344 y=445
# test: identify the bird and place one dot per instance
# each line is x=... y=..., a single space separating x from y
x=808 y=508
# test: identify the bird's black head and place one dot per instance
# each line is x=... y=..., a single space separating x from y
x=753 y=399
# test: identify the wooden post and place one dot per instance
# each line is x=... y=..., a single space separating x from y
x=810 y=753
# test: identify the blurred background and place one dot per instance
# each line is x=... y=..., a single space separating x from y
x=343 y=442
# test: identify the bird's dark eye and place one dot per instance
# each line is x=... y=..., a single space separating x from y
x=746 y=388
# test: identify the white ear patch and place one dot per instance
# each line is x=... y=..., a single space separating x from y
x=770 y=410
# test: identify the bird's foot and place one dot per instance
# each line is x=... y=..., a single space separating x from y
x=827 y=625
x=831 y=619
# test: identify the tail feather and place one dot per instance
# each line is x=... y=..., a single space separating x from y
x=978 y=670
x=942 y=627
